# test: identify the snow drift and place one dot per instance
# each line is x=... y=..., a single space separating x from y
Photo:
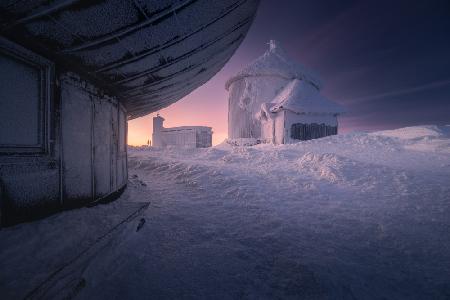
x=366 y=213
x=354 y=216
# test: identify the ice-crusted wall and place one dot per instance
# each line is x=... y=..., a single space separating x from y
x=94 y=138
x=245 y=99
x=74 y=149
x=179 y=138
x=276 y=127
x=273 y=128
x=183 y=136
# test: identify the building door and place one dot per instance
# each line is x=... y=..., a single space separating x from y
x=102 y=148
x=77 y=122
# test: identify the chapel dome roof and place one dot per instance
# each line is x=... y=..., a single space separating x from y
x=275 y=62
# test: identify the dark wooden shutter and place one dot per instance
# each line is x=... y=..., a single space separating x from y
x=303 y=132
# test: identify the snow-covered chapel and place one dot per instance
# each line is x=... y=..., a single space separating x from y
x=276 y=100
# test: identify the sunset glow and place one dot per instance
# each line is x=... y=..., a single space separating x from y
x=378 y=71
x=206 y=106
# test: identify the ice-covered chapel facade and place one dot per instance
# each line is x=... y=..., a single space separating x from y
x=276 y=100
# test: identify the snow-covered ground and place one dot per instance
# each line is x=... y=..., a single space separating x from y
x=353 y=216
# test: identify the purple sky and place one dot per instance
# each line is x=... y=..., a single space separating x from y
x=386 y=62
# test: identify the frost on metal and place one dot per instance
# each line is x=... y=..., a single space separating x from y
x=272 y=94
x=151 y=53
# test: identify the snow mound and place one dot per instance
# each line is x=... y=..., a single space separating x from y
x=243 y=142
x=362 y=161
x=417 y=132
x=330 y=167
x=431 y=138
x=348 y=173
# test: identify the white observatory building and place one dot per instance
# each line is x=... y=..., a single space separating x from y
x=183 y=136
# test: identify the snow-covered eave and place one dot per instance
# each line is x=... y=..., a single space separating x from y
x=316 y=83
x=300 y=111
x=266 y=109
x=179 y=128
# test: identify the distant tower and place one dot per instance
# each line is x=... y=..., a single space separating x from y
x=158 y=122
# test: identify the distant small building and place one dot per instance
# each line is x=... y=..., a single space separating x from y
x=183 y=136
x=298 y=112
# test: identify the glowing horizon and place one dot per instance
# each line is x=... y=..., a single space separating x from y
x=206 y=106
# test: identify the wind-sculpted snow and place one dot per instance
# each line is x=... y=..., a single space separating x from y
x=418 y=132
x=353 y=216
x=351 y=158
x=365 y=214
x=384 y=163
